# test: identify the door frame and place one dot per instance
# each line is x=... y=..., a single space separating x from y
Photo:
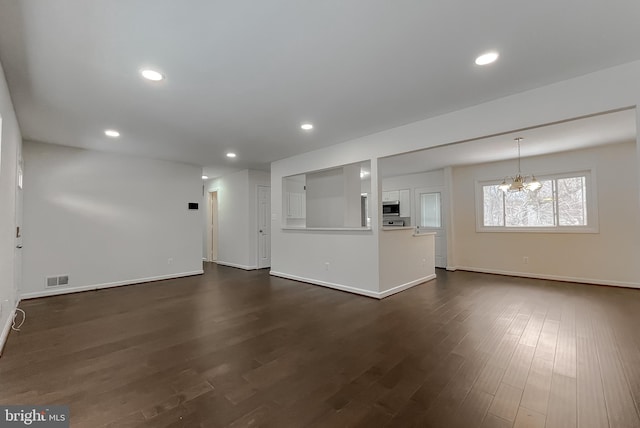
x=258 y=260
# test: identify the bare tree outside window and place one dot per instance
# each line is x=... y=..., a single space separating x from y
x=530 y=209
x=572 y=201
x=493 y=205
x=559 y=202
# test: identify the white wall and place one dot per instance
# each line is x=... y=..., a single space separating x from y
x=325 y=198
x=10 y=148
x=106 y=219
x=608 y=257
x=405 y=260
x=238 y=216
x=352 y=194
x=303 y=253
x=233 y=217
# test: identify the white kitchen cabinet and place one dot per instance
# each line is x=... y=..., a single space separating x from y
x=404 y=196
x=391 y=195
x=296 y=205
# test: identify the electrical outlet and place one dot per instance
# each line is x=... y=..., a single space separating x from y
x=525 y=260
x=326 y=266
x=169 y=260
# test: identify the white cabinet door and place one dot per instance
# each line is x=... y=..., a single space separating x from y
x=390 y=195
x=404 y=196
x=296 y=205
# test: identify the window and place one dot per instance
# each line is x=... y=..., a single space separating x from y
x=430 y=210
x=564 y=203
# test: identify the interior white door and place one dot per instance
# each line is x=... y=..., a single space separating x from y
x=431 y=218
x=18 y=232
x=264 y=227
x=213 y=226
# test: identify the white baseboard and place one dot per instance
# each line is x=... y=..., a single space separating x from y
x=354 y=290
x=58 y=291
x=333 y=285
x=7 y=328
x=236 y=265
x=548 y=277
x=405 y=286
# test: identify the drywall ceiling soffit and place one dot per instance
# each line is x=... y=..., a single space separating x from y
x=242 y=75
x=609 y=128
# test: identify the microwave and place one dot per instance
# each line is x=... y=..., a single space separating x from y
x=390 y=208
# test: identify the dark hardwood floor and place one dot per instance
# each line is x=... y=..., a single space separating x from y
x=235 y=348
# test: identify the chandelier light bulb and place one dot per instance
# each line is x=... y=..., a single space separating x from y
x=519 y=182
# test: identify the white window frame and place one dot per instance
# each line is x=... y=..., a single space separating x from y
x=592 y=206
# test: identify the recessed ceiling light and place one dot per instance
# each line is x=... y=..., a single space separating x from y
x=152 y=75
x=487 y=58
x=112 y=133
x=204 y=177
x=231 y=155
x=307 y=126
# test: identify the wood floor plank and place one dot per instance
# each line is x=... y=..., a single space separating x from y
x=565 y=359
x=621 y=408
x=548 y=339
x=473 y=409
x=529 y=419
x=493 y=421
x=531 y=332
x=592 y=410
x=490 y=378
x=506 y=402
x=518 y=369
x=561 y=412
x=237 y=348
x=538 y=386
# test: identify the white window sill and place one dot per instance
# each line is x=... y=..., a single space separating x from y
x=565 y=229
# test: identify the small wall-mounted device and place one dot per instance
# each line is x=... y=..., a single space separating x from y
x=193 y=205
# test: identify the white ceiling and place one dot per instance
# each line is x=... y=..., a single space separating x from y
x=610 y=128
x=242 y=75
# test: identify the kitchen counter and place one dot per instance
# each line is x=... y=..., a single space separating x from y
x=420 y=233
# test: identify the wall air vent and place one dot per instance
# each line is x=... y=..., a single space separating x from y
x=54 y=281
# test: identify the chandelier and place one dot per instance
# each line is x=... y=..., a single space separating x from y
x=519 y=182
